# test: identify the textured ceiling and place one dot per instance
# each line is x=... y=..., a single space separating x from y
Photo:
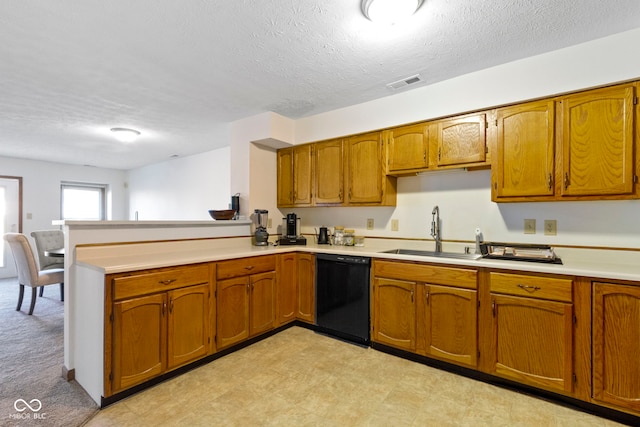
x=180 y=71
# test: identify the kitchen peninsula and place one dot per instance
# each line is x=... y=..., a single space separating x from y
x=555 y=300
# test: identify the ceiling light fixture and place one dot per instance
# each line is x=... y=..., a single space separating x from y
x=125 y=134
x=389 y=11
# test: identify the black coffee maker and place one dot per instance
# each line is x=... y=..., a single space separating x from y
x=290 y=231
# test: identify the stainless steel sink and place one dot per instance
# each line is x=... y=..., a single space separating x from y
x=432 y=254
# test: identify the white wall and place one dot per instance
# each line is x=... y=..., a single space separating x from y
x=181 y=189
x=41 y=188
x=465 y=198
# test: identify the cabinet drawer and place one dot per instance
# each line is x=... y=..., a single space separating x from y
x=549 y=288
x=446 y=276
x=158 y=281
x=245 y=266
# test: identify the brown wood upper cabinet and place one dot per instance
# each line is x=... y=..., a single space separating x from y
x=598 y=142
x=524 y=165
x=367 y=181
x=328 y=166
x=408 y=148
x=460 y=141
x=295 y=176
x=575 y=147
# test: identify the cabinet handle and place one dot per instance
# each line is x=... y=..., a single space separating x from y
x=171 y=305
x=566 y=180
x=411 y=296
x=550 y=182
x=167 y=282
x=493 y=308
x=439 y=153
x=164 y=307
x=427 y=297
x=249 y=267
x=528 y=288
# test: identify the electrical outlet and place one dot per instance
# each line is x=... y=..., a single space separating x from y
x=369 y=223
x=550 y=227
x=394 y=225
x=529 y=226
x=269 y=223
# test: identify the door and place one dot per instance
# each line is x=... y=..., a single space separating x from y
x=394 y=318
x=533 y=341
x=188 y=329
x=597 y=142
x=285 y=177
x=525 y=158
x=10 y=208
x=286 y=289
x=306 y=273
x=232 y=304
x=329 y=172
x=139 y=340
x=451 y=325
x=408 y=148
x=262 y=313
x=365 y=179
x=302 y=175
x=616 y=345
x=461 y=140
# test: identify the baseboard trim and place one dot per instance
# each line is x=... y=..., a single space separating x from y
x=68 y=374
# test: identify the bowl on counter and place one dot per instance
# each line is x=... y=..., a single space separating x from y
x=223 y=214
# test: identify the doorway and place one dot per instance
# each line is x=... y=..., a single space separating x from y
x=10 y=220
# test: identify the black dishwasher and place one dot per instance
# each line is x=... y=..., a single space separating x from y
x=342 y=296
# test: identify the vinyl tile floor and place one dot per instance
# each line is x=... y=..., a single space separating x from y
x=300 y=378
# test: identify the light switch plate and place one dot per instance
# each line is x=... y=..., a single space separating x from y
x=369 y=223
x=550 y=227
x=394 y=225
x=529 y=226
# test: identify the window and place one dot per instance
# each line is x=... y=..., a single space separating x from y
x=83 y=201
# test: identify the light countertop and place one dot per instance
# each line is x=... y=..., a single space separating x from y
x=604 y=264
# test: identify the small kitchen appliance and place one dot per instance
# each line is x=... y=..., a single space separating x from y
x=290 y=229
x=323 y=236
x=261 y=236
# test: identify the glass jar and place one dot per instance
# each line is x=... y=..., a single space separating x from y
x=338 y=235
x=359 y=241
x=349 y=237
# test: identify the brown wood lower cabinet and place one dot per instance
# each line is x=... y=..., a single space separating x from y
x=430 y=310
x=616 y=345
x=532 y=330
x=306 y=290
x=245 y=298
x=154 y=333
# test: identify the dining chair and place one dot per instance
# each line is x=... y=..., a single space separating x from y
x=47 y=240
x=28 y=272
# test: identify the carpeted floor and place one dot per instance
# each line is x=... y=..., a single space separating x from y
x=31 y=360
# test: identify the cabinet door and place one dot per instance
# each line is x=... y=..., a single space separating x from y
x=461 y=140
x=302 y=175
x=232 y=306
x=616 y=345
x=597 y=142
x=306 y=273
x=394 y=317
x=188 y=325
x=139 y=340
x=329 y=172
x=408 y=148
x=365 y=179
x=285 y=177
x=451 y=326
x=262 y=313
x=525 y=150
x=533 y=341
x=286 y=299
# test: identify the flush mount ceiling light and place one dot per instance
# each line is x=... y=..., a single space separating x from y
x=125 y=134
x=389 y=11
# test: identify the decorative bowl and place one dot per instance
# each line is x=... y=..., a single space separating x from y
x=224 y=214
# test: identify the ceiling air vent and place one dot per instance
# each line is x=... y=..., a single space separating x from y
x=405 y=82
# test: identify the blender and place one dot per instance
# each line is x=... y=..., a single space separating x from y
x=261 y=236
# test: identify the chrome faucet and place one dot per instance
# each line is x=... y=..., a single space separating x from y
x=435 y=227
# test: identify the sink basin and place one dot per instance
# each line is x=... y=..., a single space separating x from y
x=432 y=254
